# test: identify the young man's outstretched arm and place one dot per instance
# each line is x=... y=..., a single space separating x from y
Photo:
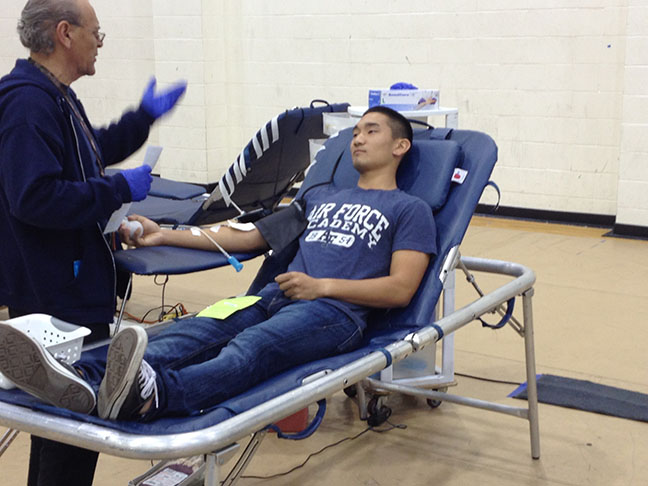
x=230 y=239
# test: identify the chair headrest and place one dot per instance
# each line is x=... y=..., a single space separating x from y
x=427 y=170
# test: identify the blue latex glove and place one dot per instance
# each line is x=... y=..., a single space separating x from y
x=139 y=181
x=402 y=86
x=157 y=105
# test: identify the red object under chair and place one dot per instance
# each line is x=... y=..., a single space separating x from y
x=294 y=423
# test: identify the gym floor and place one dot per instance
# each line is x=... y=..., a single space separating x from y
x=590 y=308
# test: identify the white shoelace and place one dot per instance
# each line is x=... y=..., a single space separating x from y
x=147 y=382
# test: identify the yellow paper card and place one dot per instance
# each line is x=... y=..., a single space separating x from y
x=226 y=307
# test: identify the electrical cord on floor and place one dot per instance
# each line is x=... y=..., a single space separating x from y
x=141 y=320
x=173 y=312
x=490 y=380
x=163 y=285
x=299 y=466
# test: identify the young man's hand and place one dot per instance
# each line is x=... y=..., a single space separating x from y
x=393 y=290
x=299 y=286
x=150 y=236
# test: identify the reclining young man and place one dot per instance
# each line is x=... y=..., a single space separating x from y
x=365 y=247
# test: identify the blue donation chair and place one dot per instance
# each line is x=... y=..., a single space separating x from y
x=428 y=172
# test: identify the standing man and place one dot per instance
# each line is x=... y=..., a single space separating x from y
x=55 y=198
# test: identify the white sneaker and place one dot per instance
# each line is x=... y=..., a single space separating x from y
x=34 y=370
x=129 y=381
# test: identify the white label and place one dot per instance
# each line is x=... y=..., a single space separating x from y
x=166 y=477
x=459 y=176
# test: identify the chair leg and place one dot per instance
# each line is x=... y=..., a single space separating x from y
x=7 y=439
x=532 y=389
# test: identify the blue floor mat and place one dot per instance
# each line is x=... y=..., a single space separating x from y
x=588 y=396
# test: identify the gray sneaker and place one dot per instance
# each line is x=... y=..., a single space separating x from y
x=129 y=382
x=34 y=370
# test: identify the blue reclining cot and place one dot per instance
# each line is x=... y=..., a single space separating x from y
x=394 y=335
x=263 y=173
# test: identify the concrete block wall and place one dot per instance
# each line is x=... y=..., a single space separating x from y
x=544 y=80
x=10 y=46
x=178 y=39
x=632 y=208
x=560 y=84
x=124 y=65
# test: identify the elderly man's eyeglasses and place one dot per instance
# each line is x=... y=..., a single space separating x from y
x=100 y=36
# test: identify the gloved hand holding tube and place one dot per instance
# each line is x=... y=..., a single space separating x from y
x=158 y=104
x=139 y=181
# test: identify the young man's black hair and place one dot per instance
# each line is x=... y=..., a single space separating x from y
x=399 y=125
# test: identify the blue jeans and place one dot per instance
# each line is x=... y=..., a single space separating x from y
x=201 y=362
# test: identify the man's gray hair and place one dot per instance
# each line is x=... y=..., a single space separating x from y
x=39 y=19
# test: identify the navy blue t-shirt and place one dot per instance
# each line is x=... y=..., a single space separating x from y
x=352 y=233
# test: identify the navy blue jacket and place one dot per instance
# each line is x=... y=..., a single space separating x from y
x=54 y=204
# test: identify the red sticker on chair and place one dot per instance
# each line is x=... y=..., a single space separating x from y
x=459 y=176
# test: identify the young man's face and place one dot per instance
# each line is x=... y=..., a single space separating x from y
x=373 y=144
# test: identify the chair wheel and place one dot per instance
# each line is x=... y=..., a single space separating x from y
x=433 y=403
x=378 y=414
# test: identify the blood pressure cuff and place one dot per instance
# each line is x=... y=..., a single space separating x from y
x=283 y=227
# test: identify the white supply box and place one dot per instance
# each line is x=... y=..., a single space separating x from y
x=405 y=99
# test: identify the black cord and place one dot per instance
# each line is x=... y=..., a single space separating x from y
x=149 y=311
x=392 y=426
x=334 y=444
x=490 y=380
x=163 y=285
x=178 y=308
